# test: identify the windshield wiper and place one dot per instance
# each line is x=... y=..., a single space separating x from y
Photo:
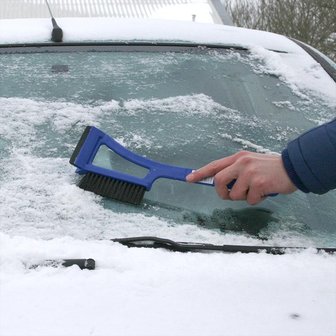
x=89 y=264
x=155 y=242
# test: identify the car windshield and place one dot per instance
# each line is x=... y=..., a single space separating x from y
x=181 y=107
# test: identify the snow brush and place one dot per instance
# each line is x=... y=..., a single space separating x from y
x=119 y=185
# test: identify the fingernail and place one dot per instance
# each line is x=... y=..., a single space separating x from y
x=189 y=177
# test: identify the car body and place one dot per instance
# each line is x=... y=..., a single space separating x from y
x=179 y=93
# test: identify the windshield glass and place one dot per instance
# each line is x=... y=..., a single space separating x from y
x=180 y=108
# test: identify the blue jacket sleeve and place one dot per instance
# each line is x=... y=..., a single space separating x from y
x=310 y=160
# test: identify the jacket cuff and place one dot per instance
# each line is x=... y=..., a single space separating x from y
x=291 y=171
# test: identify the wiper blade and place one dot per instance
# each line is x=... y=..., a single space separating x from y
x=89 y=264
x=156 y=242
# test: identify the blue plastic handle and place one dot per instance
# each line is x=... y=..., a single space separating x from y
x=96 y=138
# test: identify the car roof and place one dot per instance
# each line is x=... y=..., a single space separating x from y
x=15 y=31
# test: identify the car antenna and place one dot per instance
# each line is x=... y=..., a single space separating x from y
x=57 y=32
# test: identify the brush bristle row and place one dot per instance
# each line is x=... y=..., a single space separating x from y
x=110 y=187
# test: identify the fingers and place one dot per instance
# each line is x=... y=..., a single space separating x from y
x=212 y=168
x=254 y=198
x=255 y=175
x=221 y=181
x=239 y=190
x=250 y=185
x=242 y=189
x=209 y=170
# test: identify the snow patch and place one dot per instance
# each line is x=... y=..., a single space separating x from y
x=162 y=293
x=301 y=73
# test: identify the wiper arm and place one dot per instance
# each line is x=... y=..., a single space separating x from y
x=155 y=242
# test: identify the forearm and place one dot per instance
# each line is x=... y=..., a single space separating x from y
x=310 y=160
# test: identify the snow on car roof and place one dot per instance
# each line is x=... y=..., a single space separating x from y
x=107 y=29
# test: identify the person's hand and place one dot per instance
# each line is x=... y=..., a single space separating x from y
x=257 y=175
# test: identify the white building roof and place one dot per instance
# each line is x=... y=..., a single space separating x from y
x=211 y=11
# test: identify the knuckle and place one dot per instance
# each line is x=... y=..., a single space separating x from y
x=259 y=183
x=245 y=160
x=238 y=195
x=242 y=153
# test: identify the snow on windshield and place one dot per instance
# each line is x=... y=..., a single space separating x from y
x=40 y=191
x=169 y=107
x=44 y=215
x=301 y=74
x=39 y=187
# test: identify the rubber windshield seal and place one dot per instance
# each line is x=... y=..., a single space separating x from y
x=110 y=46
x=134 y=46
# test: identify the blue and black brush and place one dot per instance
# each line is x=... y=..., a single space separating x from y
x=115 y=184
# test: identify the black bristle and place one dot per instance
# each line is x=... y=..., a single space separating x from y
x=110 y=187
